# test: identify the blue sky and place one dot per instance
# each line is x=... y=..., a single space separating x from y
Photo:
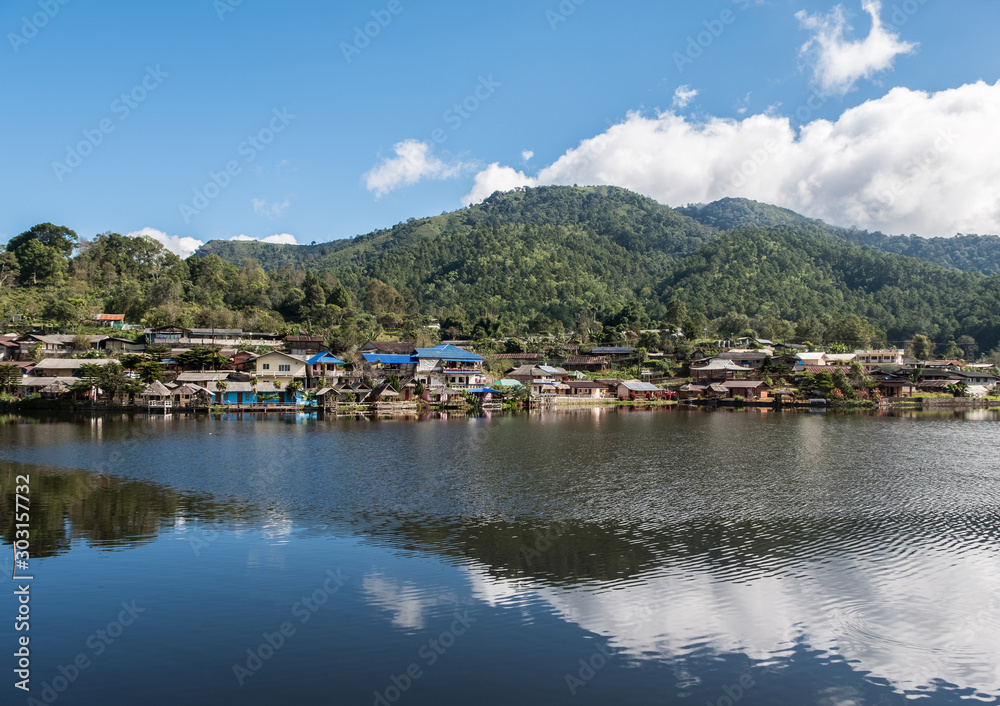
x=327 y=131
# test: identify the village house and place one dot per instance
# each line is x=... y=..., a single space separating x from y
x=322 y=370
x=382 y=365
x=110 y=320
x=65 y=367
x=388 y=347
x=590 y=363
x=233 y=393
x=56 y=344
x=872 y=359
x=450 y=366
x=304 y=345
x=281 y=368
x=718 y=369
x=616 y=354
x=202 y=377
x=636 y=389
x=745 y=359
x=748 y=389
x=587 y=388
x=122 y=345
x=519 y=359
x=10 y=349
x=181 y=337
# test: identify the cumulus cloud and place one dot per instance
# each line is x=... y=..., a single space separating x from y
x=497 y=178
x=413 y=163
x=280 y=239
x=179 y=245
x=909 y=162
x=527 y=155
x=840 y=63
x=683 y=96
x=271 y=210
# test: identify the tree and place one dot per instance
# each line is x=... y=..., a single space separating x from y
x=59 y=238
x=292 y=388
x=38 y=264
x=968 y=344
x=10 y=376
x=952 y=351
x=921 y=347
x=202 y=358
x=9 y=269
x=150 y=371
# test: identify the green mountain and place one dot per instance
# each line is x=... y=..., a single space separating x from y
x=795 y=274
x=561 y=253
x=554 y=251
x=972 y=253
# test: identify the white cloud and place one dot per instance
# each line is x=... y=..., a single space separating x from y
x=909 y=162
x=527 y=155
x=840 y=63
x=683 y=96
x=280 y=239
x=413 y=162
x=179 y=245
x=271 y=210
x=497 y=178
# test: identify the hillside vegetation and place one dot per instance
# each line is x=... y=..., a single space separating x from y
x=600 y=261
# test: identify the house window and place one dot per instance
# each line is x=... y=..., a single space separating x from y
x=266 y=366
x=285 y=368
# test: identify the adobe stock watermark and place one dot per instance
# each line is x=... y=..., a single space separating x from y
x=902 y=12
x=31 y=26
x=303 y=609
x=714 y=28
x=919 y=164
x=589 y=667
x=732 y=694
x=98 y=643
x=224 y=7
x=429 y=652
x=122 y=108
x=756 y=159
x=248 y=149
x=365 y=34
x=563 y=12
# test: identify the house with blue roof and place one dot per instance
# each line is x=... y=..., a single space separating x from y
x=323 y=369
x=449 y=366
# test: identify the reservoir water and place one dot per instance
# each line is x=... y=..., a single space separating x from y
x=596 y=556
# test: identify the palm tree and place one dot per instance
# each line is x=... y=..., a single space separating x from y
x=222 y=386
x=292 y=388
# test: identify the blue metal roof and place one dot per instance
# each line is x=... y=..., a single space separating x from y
x=483 y=390
x=388 y=358
x=327 y=358
x=447 y=352
x=613 y=350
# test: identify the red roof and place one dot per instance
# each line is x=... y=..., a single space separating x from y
x=110 y=317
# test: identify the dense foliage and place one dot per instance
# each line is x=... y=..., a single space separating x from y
x=600 y=261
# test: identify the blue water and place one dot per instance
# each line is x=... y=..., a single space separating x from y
x=588 y=557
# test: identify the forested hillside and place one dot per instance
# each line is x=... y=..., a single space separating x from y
x=972 y=253
x=599 y=261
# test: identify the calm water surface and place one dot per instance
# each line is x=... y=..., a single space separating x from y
x=586 y=557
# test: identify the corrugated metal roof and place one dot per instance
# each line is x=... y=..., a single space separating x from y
x=448 y=352
x=202 y=375
x=388 y=358
x=639 y=386
x=326 y=359
x=612 y=350
x=69 y=363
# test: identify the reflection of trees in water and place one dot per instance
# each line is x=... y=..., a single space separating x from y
x=105 y=510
